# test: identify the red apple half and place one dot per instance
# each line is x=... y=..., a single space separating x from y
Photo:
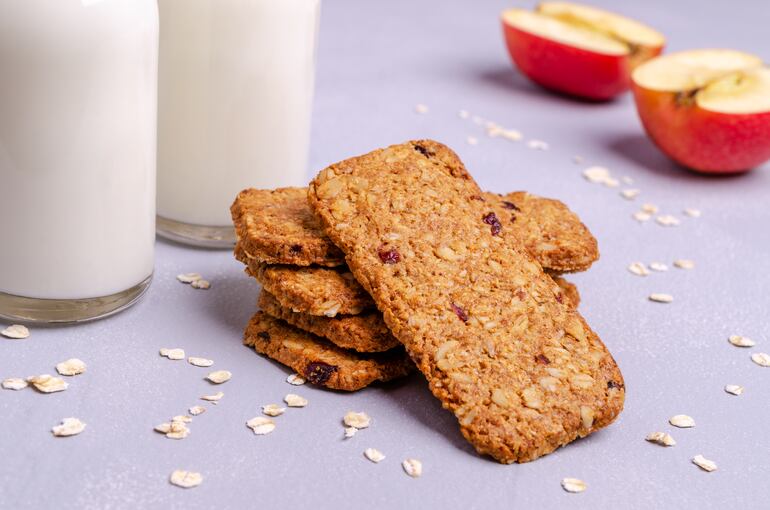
x=709 y=110
x=577 y=49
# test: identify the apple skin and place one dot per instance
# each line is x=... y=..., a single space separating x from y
x=571 y=70
x=703 y=140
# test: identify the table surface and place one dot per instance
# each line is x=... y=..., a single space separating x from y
x=377 y=60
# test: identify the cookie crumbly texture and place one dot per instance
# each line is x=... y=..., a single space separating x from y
x=313 y=290
x=569 y=290
x=319 y=361
x=278 y=227
x=364 y=333
x=522 y=372
x=547 y=229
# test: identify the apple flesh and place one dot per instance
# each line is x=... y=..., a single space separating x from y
x=578 y=50
x=709 y=110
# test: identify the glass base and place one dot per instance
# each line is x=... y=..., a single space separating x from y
x=62 y=311
x=196 y=235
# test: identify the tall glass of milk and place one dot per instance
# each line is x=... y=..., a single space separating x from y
x=234 y=107
x=78 y=111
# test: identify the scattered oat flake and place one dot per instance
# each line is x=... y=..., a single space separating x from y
x=596 y=174
x=463 y=114
x=761 y=358
x=630 y=194
x=741 y=341
x=650 y=208
x=260 y=425
x=421 y=108
x=734 y=389
x=213 y=398
x=15 y=332
x=573 y=485
x=293 y=400
x=72 y=366
x=682 y=421
x=537 y=145
x=196 y=410
x=661 y=298
x=68 y=427
x=174 y=354
x=374 y=455
x=577 y=159
x=185 y=479
x=642 y=216
x=511 y=134
x=201 y=284
x=173 y=430
x=350 y=432
x=14 y=383
x=705 y=464
x=47 y=384
x=638 y=269
x=188 y=277
x=413 y=467
x=295 y=380
x=472 y=140
x=658 y=266
x=493 y=130
x=684 y=263
x=667 y=220
x=661 y=438
x=200 y=362
x=611 y=182
x=357 y=420
x=219 y=376
x=273 y=409
x=182 y=418
x=692 y=213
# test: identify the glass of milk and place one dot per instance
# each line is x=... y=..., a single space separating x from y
x=234 y=107
x=78 y=113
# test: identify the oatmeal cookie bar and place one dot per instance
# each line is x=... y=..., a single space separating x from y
x=363 y=333
x=522 y=372
x=278 y=227
x=319 y=361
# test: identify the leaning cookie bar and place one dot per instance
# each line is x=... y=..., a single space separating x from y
x=520 y=369
x=366 y=332
x=317 y=360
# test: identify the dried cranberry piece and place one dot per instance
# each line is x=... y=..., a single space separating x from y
x=513 y=218
x=295 y=249
x=423 y=150
x=389 y=256
x=511 y=205
x=264 y=335
x=542 y=358
x=612 y=384
x=478 y=197
x=559 y=297
x=319 y=372
x=491 y=219
x=460 y=313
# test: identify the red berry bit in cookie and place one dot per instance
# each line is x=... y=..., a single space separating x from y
x=319 y=372
x=460 y=313
x=510 y=205
x=389 y=256
x=491 y=219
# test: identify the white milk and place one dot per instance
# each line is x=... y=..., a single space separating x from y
x=77 y=146
x=236 y=82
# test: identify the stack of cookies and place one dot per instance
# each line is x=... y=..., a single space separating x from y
x=395 y=260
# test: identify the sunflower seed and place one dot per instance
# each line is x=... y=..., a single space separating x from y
x=761 y=358
x=734 y=389
x=638 y=269
x=741 y=341
x=573 y=485
x=684 y=263
x=704 y=463
x=661 y=298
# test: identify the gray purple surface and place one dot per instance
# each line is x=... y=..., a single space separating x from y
x=377 y=60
